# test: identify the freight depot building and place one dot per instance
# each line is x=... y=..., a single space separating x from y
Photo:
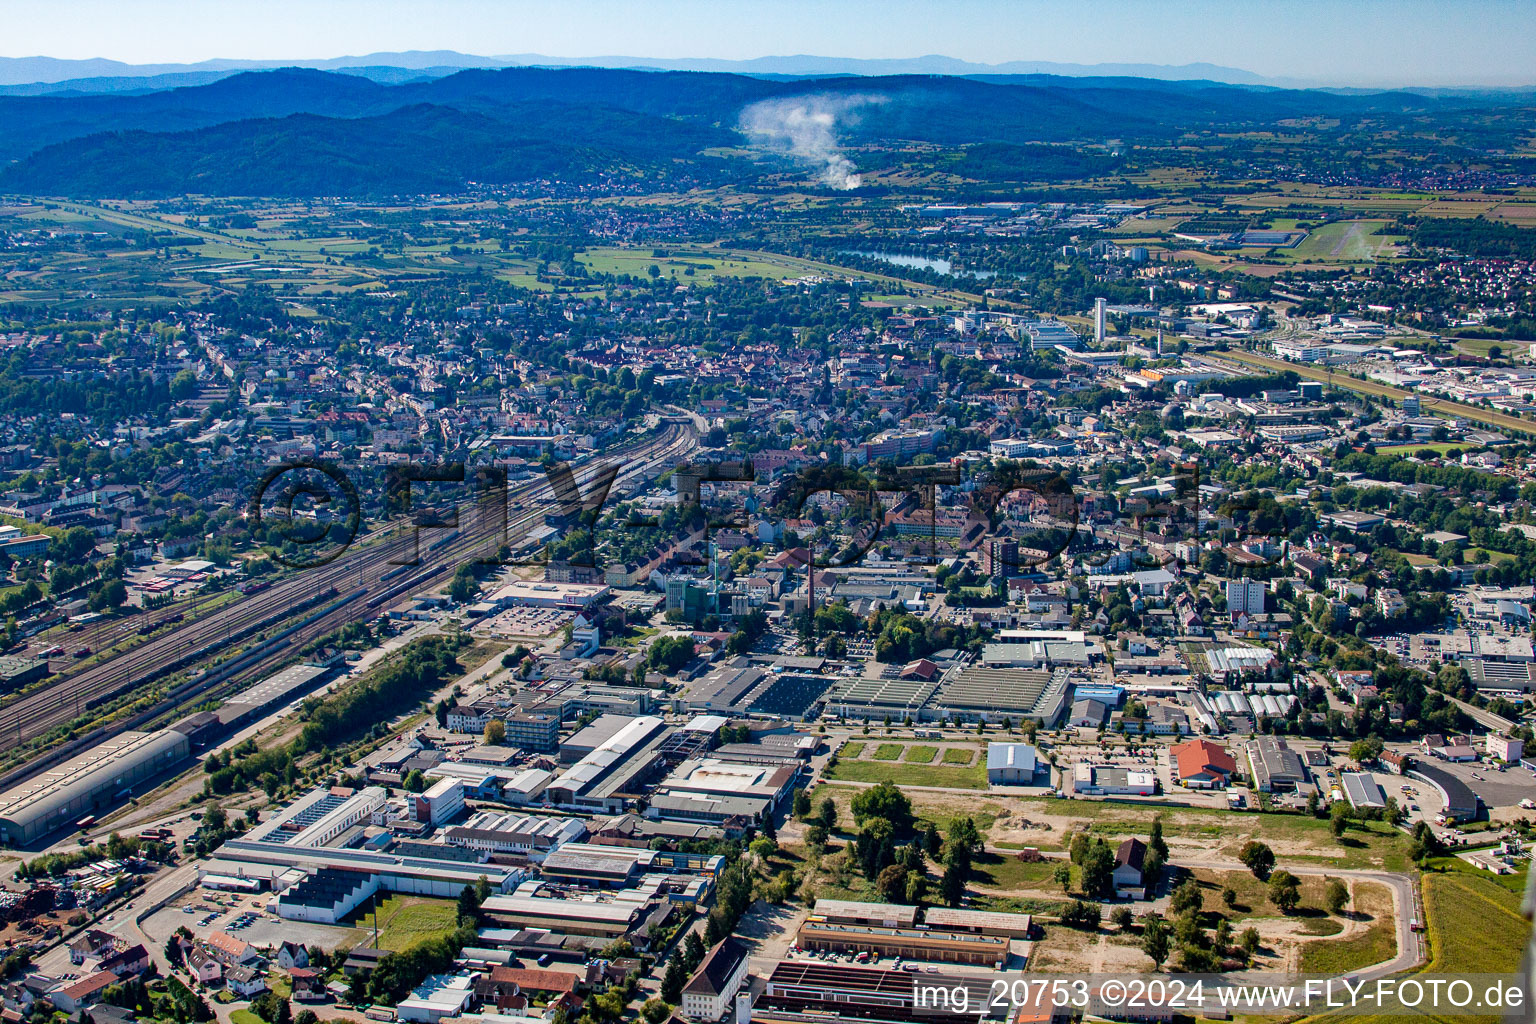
x=87 y=784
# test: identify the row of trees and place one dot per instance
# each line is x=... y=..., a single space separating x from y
x=350 y=711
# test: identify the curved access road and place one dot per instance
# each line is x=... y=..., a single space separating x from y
x=1410 y=944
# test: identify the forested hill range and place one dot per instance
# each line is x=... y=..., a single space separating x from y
x=298 y=132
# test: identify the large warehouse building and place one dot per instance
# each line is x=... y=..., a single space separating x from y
x=87 y=784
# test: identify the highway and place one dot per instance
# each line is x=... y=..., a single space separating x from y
x=354 y=580
x=1430 y=404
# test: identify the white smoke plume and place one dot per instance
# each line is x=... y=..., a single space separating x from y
x=805 y=127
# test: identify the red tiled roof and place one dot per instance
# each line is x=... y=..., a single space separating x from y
x=531 y=980
x=86 y=986
x=1198 y=756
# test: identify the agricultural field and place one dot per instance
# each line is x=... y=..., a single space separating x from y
x=1474 y=927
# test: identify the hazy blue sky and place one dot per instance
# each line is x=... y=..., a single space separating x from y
x=1344 y=41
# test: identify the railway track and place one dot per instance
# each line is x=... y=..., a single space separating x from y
x=356 y=573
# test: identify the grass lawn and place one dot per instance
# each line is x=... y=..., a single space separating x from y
x=889 y=752
x=997 y=872
x=959 y=755
x=911 y=774
x=1436 y=447
x=245 y=1017
x=1347 y=241
x=851 y=750
x=1482 y=346
x=1377 y=943
x=1367 y=844
x=407 y=920
x=922 y=754
x=1021 y=905
x=1253 y=895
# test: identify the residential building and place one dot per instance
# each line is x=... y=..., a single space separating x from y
x=720 y=975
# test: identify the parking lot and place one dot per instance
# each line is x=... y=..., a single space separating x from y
x=1495 y=788
x=531 y=622
x=242 y=916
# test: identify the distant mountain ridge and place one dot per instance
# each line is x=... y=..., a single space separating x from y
x=34 y=71
x=297 y=131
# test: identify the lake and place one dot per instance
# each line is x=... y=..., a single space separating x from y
x=921 y=263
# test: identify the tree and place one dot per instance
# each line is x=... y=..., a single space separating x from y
x=464 y=586
x=884 y=801
x=816 y=838
x=1063 y=876
x=1367 y=750
x=1154 y=940
x=875 y=847
x=1338 y=824
x=655 y=1010
x=1098 y=870
x=671 y=653
x=111 y=595
x=1284 y=891
x=1336 y=896
x=963 y=833
x=1258 y=858
x=495 y=732
x=693 y=950
x=932 y=842
x=469 y=905
x=802 y=804
x=1155 y=841
x=184 y=385
x=1250 y=940
x=1082 y=915
x=673 y=980
x=1187 y=930
x=1121 y=918
x=892 y=884
x=1152 y=866
x=828 y=813
x=1228 y=896
x=1186 y=897
x=952 y=887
